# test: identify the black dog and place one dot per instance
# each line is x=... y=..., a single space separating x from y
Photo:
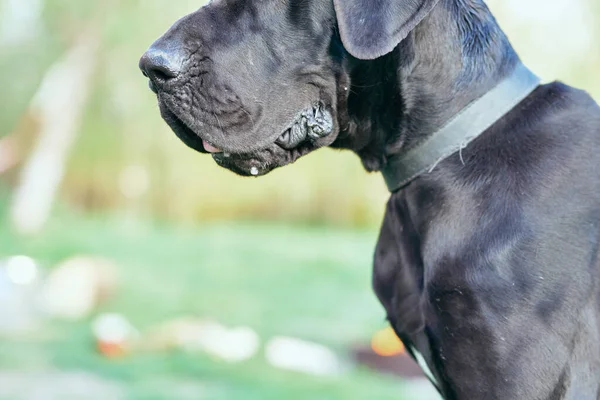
x=487 y=263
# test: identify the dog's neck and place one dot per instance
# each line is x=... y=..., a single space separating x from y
x=453 y=57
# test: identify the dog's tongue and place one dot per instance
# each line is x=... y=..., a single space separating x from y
x=210 y=148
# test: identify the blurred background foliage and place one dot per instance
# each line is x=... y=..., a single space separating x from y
x=122 y=137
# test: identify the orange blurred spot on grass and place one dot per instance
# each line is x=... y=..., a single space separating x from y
x=386 y=343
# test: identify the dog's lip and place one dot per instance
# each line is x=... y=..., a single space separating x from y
x=210 y=148
x=183 y=132
x=193 y=134
x=193 y=139
x=287 y=140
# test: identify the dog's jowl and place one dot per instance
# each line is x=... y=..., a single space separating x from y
x=487 y=262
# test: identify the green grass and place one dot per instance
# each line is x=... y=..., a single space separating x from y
x=312 y=283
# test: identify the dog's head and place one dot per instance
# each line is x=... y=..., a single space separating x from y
x=259 y=83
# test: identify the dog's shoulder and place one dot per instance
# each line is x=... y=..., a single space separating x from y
x=558 y=101
x=565 y=121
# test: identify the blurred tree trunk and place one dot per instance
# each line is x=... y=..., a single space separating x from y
x=58 y=106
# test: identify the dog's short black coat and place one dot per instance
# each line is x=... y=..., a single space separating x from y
x=488 y=264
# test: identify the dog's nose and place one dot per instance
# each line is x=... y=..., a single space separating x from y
x=161 y=63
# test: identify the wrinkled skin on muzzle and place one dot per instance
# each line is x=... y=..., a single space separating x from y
x=254 y=82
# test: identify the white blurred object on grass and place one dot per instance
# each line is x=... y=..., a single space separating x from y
x=302 y=356
x=77 y=285
x=198 y=335
x=21 y=270
x=113 y=328
x=231 y=345
x=19 y=285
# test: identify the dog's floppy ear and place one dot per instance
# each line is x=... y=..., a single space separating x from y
x=373 y=28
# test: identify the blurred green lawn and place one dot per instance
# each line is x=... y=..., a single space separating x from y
x=309 y=282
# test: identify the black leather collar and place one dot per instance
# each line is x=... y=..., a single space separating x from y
x=471 y=122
